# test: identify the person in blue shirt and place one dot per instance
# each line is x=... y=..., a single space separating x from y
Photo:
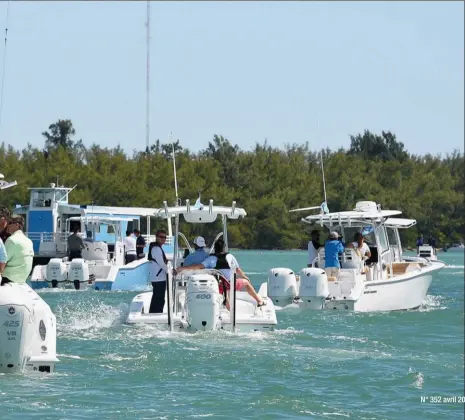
x=333 y=248
x=199 y=255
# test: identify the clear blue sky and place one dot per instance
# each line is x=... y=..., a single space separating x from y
x=245 y=70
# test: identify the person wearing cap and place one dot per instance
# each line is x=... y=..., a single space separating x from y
x=20 y=253
x=199 y=255
x=333 y=248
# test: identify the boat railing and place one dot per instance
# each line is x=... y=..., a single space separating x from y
x=151 y=238
x=49 y=236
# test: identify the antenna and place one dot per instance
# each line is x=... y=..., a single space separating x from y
x=323 y=173
x=321 y=155
x=174 y=167
x=4 y=59
x=147 y=99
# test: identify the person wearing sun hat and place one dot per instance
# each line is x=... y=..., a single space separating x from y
x=199 y=255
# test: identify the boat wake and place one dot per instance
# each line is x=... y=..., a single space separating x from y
x=432 y=303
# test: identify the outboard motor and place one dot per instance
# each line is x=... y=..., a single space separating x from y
x=203 y=302
x=56 y=272
x=314 y=287
x=78 y=272
x=282 y=286
x=15 y=334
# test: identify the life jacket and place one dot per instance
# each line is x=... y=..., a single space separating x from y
x=221 y=261
x=154 y=244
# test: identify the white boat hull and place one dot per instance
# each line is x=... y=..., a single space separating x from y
x=248 y=316
x=27 y=331
x=401 y=292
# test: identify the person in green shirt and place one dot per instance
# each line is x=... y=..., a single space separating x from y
x=20 y=253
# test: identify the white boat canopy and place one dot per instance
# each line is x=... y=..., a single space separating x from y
x=200 y=213
x=345 y=217
x=91 y=220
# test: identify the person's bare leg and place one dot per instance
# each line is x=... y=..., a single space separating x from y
x=251 y=291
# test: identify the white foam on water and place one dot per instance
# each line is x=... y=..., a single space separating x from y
x=118 y=358
x=453 y=266
x=432 y=303
x=68 y=356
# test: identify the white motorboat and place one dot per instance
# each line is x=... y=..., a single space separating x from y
x=193 y=301
x=389 y=282
x=98 y=268
x=27 y=331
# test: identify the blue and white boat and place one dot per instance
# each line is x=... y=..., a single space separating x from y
x=50 y=219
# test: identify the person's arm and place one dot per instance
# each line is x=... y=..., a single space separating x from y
x=81 y=243
x=3 y=256
x=367 y=251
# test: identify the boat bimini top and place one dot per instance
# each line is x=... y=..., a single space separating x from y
x=200 y=213
x=364 y=212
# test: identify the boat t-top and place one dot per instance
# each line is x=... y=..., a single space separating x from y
x=389 y=282
x=193 y=300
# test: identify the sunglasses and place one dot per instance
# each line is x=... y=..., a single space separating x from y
x=161 y=237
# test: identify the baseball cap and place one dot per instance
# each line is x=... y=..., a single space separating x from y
x=200 y=241
x=334 y=235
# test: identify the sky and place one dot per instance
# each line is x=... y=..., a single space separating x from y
x=287 y=72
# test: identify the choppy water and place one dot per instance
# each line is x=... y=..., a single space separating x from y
x=329 y=365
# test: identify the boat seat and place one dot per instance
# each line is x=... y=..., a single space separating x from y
x=400 y=268
x=352 y=260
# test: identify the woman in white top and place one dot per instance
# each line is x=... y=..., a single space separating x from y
x=360 y=247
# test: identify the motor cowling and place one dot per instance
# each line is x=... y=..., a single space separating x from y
x=282 y=286
x=203 y=302
x=78 y=272
x=15 y=326
x=56 y=271
x=313 y=284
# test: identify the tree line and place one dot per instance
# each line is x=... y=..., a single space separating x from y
x=266 y=181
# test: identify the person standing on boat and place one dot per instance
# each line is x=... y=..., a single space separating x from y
x=419 y=242
x=130 y=253
x=158 y=272
x=432 y=241
x=140 y=244
x=333 y=248
x=75 y=245
x=20 y=253
x=228 y=265
x=313 y=246
x=199 y=255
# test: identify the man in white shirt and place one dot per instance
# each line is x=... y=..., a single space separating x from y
x=313 y=246
x=158 y=272
x=130 y=253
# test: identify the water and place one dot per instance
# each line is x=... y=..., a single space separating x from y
x=329 y=365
